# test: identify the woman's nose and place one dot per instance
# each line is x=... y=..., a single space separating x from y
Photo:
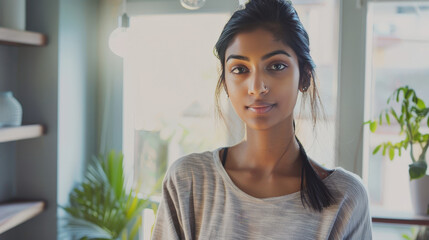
x=256 y=85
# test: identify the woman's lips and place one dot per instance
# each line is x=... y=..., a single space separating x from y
x=260 y=109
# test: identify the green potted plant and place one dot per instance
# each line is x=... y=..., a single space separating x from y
x=101 y=207
x=413 y=112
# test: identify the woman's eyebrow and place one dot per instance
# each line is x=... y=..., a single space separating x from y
x=237 y=57
x=266 y=56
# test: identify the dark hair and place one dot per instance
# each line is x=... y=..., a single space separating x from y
x=280 y=18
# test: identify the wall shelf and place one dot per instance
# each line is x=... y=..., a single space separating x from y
x=21 y=38
x=15 y=213
x=8 y=134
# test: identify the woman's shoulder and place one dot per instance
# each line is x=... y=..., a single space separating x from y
x=191 y=165
x=347 y=184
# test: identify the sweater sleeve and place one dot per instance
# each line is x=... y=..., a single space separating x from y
x=167 y=222
x=359 y=226
x=353 y=219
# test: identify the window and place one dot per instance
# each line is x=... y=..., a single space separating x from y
x=172 y=74
x=399 y=47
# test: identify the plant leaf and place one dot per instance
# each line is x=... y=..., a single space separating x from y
x=136 y=226
x=154 y=208
x=391 y=153
x=132 y=207
x=101 y=201
x=394 y=114
x=403 y=110
x=420 y=103
x=376 y=149
x=425 y=137
x=387 y=118
x=414 y=96
x=80 y=228
x=373 y=126
x=408 y=93
x=397 y=94
x=406 y=237
x=124 y=235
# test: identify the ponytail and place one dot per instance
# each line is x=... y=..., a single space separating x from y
x=314 y=192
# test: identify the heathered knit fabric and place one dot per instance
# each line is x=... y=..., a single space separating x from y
x=200 y=201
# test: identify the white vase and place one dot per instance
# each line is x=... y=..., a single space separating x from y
x=10 y=110
x=419 y=189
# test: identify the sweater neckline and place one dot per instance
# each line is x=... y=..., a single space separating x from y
x=222 y=171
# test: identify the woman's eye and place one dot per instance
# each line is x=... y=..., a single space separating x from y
x=277 y=67
x=239 y=70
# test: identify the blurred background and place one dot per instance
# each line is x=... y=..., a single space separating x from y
x=138 y=77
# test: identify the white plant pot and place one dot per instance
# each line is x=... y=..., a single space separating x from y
x=419 y=189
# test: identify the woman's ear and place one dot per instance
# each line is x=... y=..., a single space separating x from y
x=304 y=79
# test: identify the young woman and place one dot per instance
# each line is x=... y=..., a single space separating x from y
x=265 y=187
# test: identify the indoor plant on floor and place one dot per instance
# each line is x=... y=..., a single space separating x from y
x=411 y=117
x=101 y=207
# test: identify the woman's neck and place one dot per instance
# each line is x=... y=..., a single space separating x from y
x=269 y=152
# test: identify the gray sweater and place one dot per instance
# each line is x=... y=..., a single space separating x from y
x=200 y=201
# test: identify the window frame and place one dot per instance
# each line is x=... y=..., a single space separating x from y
x=353 y=82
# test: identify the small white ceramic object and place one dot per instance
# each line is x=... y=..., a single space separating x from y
x=10 y=110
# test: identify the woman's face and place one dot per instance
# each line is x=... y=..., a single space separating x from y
x=256 y=59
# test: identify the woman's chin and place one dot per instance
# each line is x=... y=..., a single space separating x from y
x=258 y=125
